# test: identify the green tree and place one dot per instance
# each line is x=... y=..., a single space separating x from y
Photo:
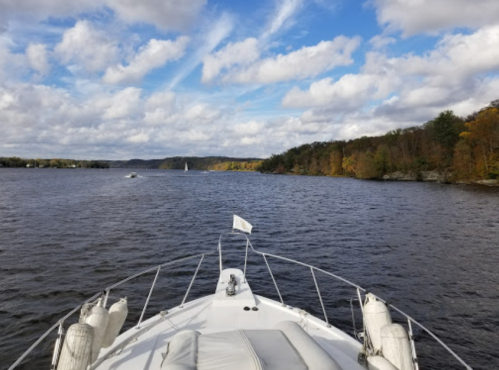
x=443 y=129
x=366 y=167
x=382 y=160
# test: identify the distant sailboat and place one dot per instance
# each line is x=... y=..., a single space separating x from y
x=186 y=167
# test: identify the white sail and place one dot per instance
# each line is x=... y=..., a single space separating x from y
x=186 y=167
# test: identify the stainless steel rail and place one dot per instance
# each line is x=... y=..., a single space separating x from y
x=105 y=294
x=358 y=290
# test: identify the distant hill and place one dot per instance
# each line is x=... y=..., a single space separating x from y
x=177 y=163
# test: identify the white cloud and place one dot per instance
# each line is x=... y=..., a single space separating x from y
x=165 y=14
x=35 y=10
x=245 y=52
x=153 y=55
x=304 y=63
x=138 y=137
x=350 y=92
x=123 y=104
x=209 y=40
x=12 y=65
x=450 y=73
x=430 y=16
x=161 y=100
x=249 y=128
x=201 y=113
x=239 y=53
x=465 y=54
x=48 y=122
x=87 y=47
x=37 y=58
x=285 y=9
x=380 y=41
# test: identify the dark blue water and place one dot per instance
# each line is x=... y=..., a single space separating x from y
x=430 y=249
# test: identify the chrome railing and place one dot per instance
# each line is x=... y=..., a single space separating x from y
x=105 y=295
x=358 y=290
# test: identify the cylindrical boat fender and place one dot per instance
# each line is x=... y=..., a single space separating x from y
x=396 y=346
x=376 y=316
x=379 y=363
x=97 y=318
x=76 y=351
x=117 y=316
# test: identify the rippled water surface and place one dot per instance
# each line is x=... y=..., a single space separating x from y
x=430 y=249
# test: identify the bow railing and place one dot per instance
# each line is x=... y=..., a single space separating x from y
x=359 y=292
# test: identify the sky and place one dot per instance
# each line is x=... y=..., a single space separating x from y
x=122 y=79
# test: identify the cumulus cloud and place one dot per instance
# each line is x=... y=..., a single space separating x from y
x=430 y=16
x=442 y=77
x=350 y=92
x=165 y=14
x=45 y=121
x=164 y=100
x=87 y=48
x=12 y=65
x=125 y=103
x=153 y=55
x=247 y=51
x=304 y=63
x=34 y=10
x=176 y=15
x=239 y=53
x=37 y=57
x=459 y=55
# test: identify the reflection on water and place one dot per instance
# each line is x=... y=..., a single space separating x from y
x=430 y=249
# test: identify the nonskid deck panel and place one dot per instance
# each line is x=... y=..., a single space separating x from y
x=144 y=348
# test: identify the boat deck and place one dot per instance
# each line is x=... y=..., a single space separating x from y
x=145 y=347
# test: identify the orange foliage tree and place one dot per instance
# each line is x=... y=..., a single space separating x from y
x=482 y=136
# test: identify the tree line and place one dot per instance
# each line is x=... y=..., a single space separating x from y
x=50 y=163
x=465 y=149
x=178 y=163
x=237 y=166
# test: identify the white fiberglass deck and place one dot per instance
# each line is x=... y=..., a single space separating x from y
x=145 y=347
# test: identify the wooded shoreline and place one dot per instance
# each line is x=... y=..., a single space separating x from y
x=453 y=149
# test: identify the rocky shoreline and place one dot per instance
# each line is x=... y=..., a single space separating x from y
x=433 y=176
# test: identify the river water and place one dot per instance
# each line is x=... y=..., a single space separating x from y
x=432 y=250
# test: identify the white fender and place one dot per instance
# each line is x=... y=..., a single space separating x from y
x=77 y=348
x=379 y=363
x=97 y=318
x=396 y=346
x=376 y=316
x=117 y=315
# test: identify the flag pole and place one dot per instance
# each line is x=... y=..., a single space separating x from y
x=220 y=252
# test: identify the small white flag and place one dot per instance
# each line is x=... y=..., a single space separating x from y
x=242 y=225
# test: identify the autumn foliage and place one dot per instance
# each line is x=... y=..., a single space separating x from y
x=477 y=153
x=236 y=166
x=464 y=149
